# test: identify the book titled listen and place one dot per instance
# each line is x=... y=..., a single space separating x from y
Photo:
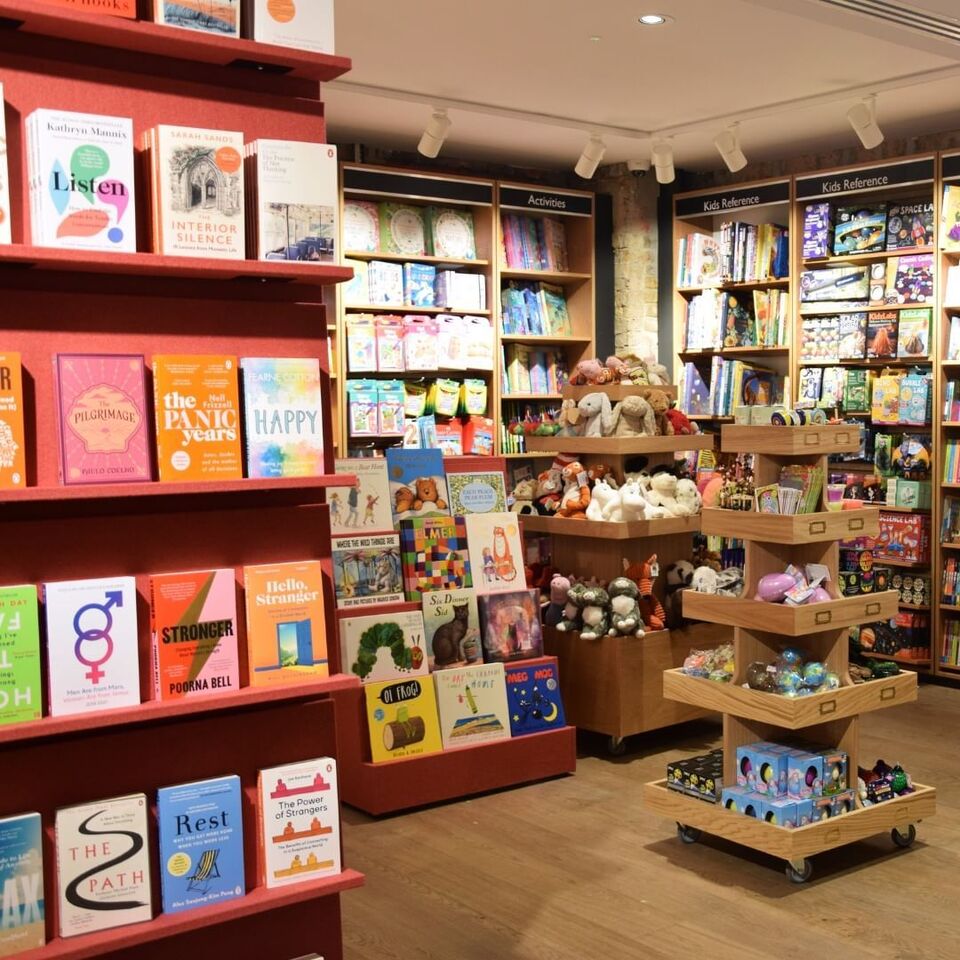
x=20 y=694
x=299 y=822
x=103 y=865
x=21 y=884
x=12 y=457
x=305 y=24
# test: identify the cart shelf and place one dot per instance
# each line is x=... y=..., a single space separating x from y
x=817 y=527
x=603 y=530
x=622 y=445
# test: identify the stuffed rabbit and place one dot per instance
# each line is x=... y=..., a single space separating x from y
x=596 y=414
x=633 y=417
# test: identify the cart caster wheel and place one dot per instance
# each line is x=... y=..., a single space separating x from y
x=800 y=871
x=904 y=837
x=687 y=834
x=616 y=746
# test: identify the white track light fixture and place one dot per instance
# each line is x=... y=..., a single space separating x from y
x=728 y=145
x=590 y=158
x=435 y=134
x=863 y=119
x=662 y=156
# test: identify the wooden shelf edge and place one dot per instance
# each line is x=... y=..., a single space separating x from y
x=412 y=258
x=817 y=439
x=622 y=445
x=604 y=530
x=822 y=526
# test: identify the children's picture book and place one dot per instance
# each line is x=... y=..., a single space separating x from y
x=451 y=623
x=434 y=554
x=21 y=697
x=21 y=884
x=5 y=232
x=533 y=696
x=402 y=719
x=361 y=230
x=511 y=626
x=365 y=505
x=286 y=23
x=286 y=625
x=418 y=484
x=193 y=623
x=913 y=333
x=383 y=647
x=450 y=233
x=201 y=843
x=496 y=551
x=472 y=702
x=401 y=229
x=92 y=651
x=882 y=334
x=220 y=17
x=102 y=423
x=103 y=865
x=853 y=336
x=366 y=570
x=299 y=822
x=477 y=492
x=13 y=461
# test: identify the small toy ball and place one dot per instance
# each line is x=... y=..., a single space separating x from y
x=791 y=657
x=831 y=681
x=789 y=681
x=804 y=692
x=773 y=587
x=814 y=674
x=758 y=677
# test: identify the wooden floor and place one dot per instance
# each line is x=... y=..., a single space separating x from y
x=574 y=869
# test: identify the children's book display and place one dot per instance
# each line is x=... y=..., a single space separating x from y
x=434 y=555
x=402 y=719
x=496 y=551
x=473 y=705
x=533 y=696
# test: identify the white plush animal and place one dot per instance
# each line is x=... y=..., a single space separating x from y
x=653 y=509
x=688 y=496
x=596 y=414
x=633 y=504
x=704 y=580
x=604 y=502
x=663 y=493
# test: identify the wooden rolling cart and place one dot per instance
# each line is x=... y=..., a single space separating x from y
x=830 y=717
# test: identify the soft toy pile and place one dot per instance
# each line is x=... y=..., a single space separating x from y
x=626 y=369
x=650 y=414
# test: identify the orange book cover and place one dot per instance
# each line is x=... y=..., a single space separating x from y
x=113 y=8
x=198 y=418
x=12 y=457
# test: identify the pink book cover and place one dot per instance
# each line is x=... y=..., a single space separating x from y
x=102 y=418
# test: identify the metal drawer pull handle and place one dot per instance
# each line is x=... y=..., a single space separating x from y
x=829 y=707
x=888 y=693
x=856 y=523
x=812 y=439
x=824 y=616
x=818 y=526
x=872 y=608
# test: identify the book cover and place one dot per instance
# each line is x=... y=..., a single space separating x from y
x=402 y=719
x=283 y=416
x=418 y=484
x=286 y=624
x=511 y=626
x=913 y=333
x=295 y=23
x=22 y=907
x=103 y=865
x=201 y=843
x=860 y=229
x=533 y=697
x=832 y=388
x=21 y=697
x=808 y=392
x=950 y=217
x=92 y=649
x=910 y=225
x=477 y=492
x=853 y=336
x=450 y=233
x=383 y=647
x=401 y=229
x=912 y=279
x=13 y=461
x=361 y=230
x=434 y=555
x=882 y=334
x=451 y=622
x=299 y=822
x=496 y=549
x=103 y=418
x=5 y=233
x=219 y=17
x=193 y=623
x=472 y=702
x=115 y=8
x=365 y=505
x=81 y=181
x=198 y=418
x=366 y=570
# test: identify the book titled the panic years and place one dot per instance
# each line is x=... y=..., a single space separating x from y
x=20 y=692
x=21 y=884
x=12 y=455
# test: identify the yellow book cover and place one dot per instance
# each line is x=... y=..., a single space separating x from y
x=402 y=718
x=950 y=217
x=12 y=458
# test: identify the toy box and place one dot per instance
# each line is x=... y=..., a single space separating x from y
x=916 y=399
x=740 y=800
x=817 y=230
x=811 y=381
x=831 y=391
x=913 y=335
x=915 y=494
x=857 y=391
x=904 y=537
x=820 y=340
x=885 y=401
x=804 y=774
x=834 y=283
x=909 y=225
x=361 y=354
x=910 y=279
x=390 y=344
x=860 y=229
x=853 y=336
x=844 y=802
x=804 y=812
x=882 y=334
x=780 y=811
x=836 y=776
x=770 y=768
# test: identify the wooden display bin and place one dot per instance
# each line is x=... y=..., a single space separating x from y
x=603 y=530
x=819 y=439
x=822 y=526
x=615 y=391
x=622 y=446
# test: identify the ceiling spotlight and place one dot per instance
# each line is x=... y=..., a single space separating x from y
x=727 y=143
x=653 y=19
x=863 y=119
x=662 y=156
x=590 y=158
x=436 y=132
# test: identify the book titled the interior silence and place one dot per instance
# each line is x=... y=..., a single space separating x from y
x=81 y=175
x=21 y=885
x=305 y=24
x=20 y=692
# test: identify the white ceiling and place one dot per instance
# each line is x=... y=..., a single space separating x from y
x=787 y=69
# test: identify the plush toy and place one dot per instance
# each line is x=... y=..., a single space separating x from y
x=688 y=497
x=661 y=404
x=663 y=494
x=633 y=417
x=590 y=372
x=601 y=471
x=559 y=587
x=595 y=615
x=596 y=414
x=653 y=510
x=576 y=492
x=657 y=375
x=549 y=488
x=604 y=502
x=523 y=496
x=569 y=419
x=650 y=607
x=618 y=369
x=678 y=577
x=680 y=422
x=636 y=371
x=625 y=618
x=730 y=582
x=704 y=580
x=573 y=608
x=633 y=504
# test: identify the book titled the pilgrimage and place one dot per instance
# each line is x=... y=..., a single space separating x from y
x=366 y=504
x=283 y=416
x=299 y=822
x=219 y=17
x=197 y=402
x=5 y=233
x=533 y=696
x=304 y=24
x=473 y=705
x=13 y=463
x=402 y=719
x=21 y=884
x=286 y=630
x=193 y=623
x=81 y=181
x=103 y=865
x=201 y=843
x=92 y=648
x=20 y=692
x=102 y=421
x=383 y=647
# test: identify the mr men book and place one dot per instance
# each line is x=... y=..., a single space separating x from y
x=286 y=628
x=418 y=484
x=102 y=420
x=473 y=705
x=193 y=622
x=103 y=865
x=20 y=693
x=201 y=843
x=13 y=466
x=383 y=646
x=511 y=626
x=21 y=885
x=533 y=696
x=402 y=719
x=477 y=493
x=366 y=570
x=366 y=505
x=299 y=822
x=92 y=644
x=496 y=552
x=452 y=628
x=434 y=554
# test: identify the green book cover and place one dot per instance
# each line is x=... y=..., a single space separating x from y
x=20 y=691
x=402 y=229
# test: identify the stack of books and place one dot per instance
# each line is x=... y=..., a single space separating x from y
x=534 y=243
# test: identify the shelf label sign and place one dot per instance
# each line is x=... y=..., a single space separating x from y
x=421 y=187
x=546 y=202
x=731 y=200
x=865 y=178
x=950 y=167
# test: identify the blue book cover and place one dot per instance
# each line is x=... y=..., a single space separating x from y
x=21 y=885
x=533 y=696
x=201 y=843
x=418 y=284
x=418 y=484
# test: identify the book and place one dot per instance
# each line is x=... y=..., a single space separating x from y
x=286 y=622
x=451 y=623
x=477 y=492
x=92 y=646
x=418 y=484
x=365 y=505
x=197 y=405
x=22 y=905
x=434 y=555
x=21 y=696
x=853 y=336
x=103 y=865
x=402 y=230
x=13 y=461
x=472 y=702
x=5 y=217
x=201 y=843
x=81 y=181
x=198 y=191
x=418 y=284
x=361 y=230
x=450 y=233
x=299 y=822
x=219 y=17
x=860 y=229
x=496 y=549
x=366 y=570
x=115 y=8
x=911 y=280
x=383 y=646
x=533 y=696
x=511 y=626
x=283 y=416
x=810 y=383
x=102 y=422
x=950 y=217
x=913 y=333
x=286 y=23
x=193 y=624
x=910 y=225
x=402 y=719
x=882 y=334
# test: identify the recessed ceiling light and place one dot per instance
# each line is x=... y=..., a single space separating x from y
x=654 y=19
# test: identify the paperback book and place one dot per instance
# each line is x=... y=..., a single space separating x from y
x=21 y=696
x=5 y=233
x=286 y=23
x=496 y=550
x=22 y=906
x=219 y=17
x=477 y=492
x=383 y=647
x=402 y=719
x=533 y=697
x=434 y=555
x=365 y=505
x=418 y=484
x=511 y=626
x=366 y=570
x=13 y=462
x=115 y=8
x=472 y=702
x=451 y=623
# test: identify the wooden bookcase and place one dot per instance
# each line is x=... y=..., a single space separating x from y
x=143 y=303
